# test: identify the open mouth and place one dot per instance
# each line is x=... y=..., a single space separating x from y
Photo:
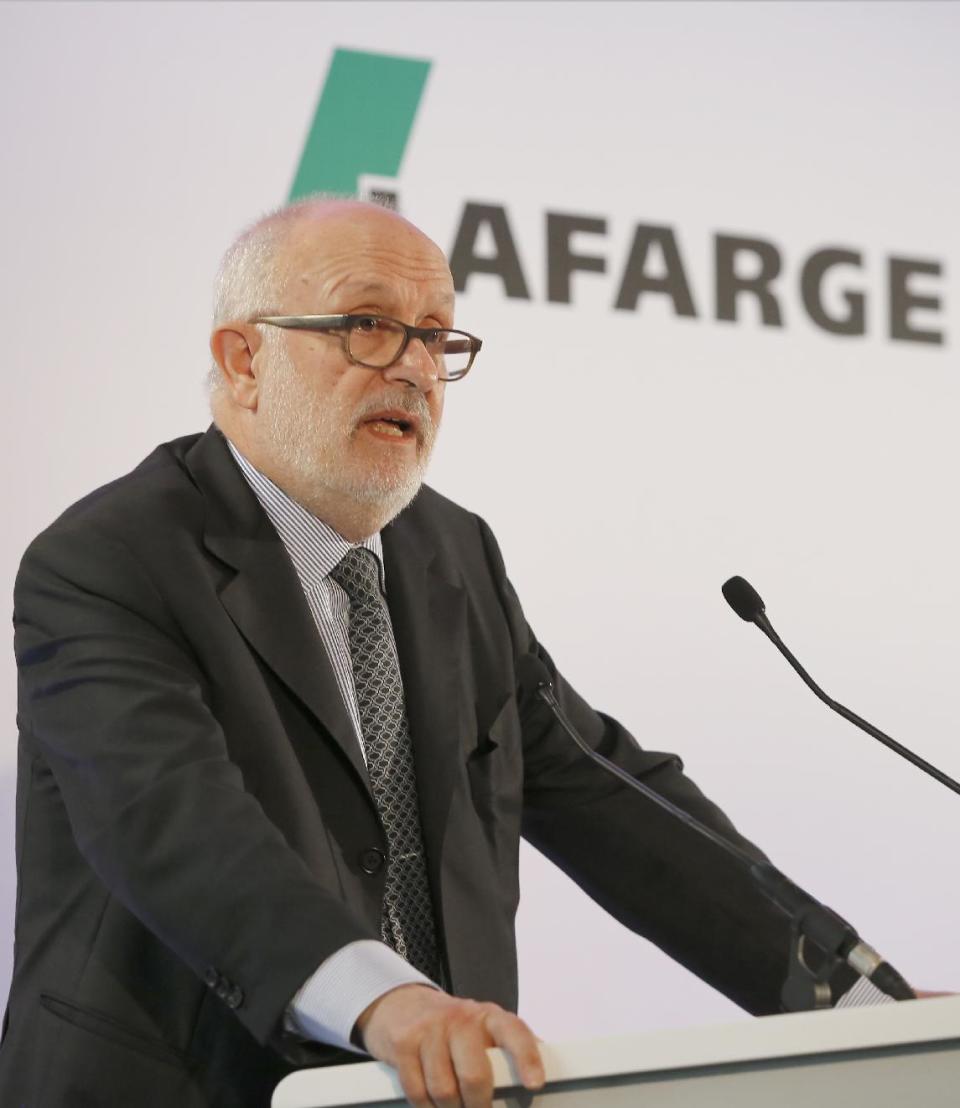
x=395 y=425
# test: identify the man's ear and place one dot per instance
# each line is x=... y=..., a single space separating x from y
x=234 y=347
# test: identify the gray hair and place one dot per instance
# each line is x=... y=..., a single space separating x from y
x=249 y=277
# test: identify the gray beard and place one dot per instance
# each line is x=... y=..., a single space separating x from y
x=309 y=437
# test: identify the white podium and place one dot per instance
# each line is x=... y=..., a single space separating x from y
x=890 y=1056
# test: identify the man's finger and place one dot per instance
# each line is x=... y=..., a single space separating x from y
x=438 y=1069
x=410 y=1074
x=513 y=1035
x=468 y=1052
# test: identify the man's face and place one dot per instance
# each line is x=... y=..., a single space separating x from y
x=332 y=426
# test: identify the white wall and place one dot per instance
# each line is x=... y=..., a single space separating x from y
x=138 y=138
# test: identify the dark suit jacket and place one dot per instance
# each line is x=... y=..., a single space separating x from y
x=192 y=806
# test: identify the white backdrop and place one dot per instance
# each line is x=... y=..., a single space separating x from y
x=137 y=139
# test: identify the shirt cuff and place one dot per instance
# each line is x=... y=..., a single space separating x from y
x=330 y=1002
x=861 y=994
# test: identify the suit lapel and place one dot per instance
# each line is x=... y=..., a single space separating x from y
x=428 y=613
x=265 y=601
x=264 y=597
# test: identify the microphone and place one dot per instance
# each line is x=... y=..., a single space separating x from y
x=744 y=599
x=803 y=988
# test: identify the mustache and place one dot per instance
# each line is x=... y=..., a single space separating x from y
x=411 y=401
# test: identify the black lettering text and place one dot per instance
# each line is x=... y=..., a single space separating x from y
x=730 y=283
x=561 y=260
x=504 y=262
x=853 y=320
x=903 y=300
x=636 y=280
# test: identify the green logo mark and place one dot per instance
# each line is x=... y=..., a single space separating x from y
x=362 y=123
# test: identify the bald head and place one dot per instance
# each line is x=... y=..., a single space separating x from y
x=282 y=247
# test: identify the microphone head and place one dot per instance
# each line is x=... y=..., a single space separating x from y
x=743 y=598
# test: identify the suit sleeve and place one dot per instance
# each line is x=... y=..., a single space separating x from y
x=647 y=869
x=111 y=704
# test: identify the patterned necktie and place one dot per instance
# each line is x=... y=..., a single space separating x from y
x=407 y=923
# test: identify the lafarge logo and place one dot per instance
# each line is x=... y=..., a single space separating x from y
x=749 y=273
x=356 y=144
x=361 y=126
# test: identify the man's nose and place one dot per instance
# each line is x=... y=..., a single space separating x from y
x=415 y=368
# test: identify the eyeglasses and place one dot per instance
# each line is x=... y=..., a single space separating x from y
x=377 y=342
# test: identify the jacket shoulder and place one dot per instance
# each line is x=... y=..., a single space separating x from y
x=160 y=488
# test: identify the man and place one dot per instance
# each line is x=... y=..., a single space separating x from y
x=263 y=816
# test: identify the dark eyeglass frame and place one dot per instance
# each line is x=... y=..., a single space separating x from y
x=429 y=336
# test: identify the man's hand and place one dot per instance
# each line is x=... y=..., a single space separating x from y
x=437 y=1044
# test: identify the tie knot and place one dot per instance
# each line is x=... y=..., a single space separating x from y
x=358 y=574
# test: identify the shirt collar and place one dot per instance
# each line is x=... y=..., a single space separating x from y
x=314 y=547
